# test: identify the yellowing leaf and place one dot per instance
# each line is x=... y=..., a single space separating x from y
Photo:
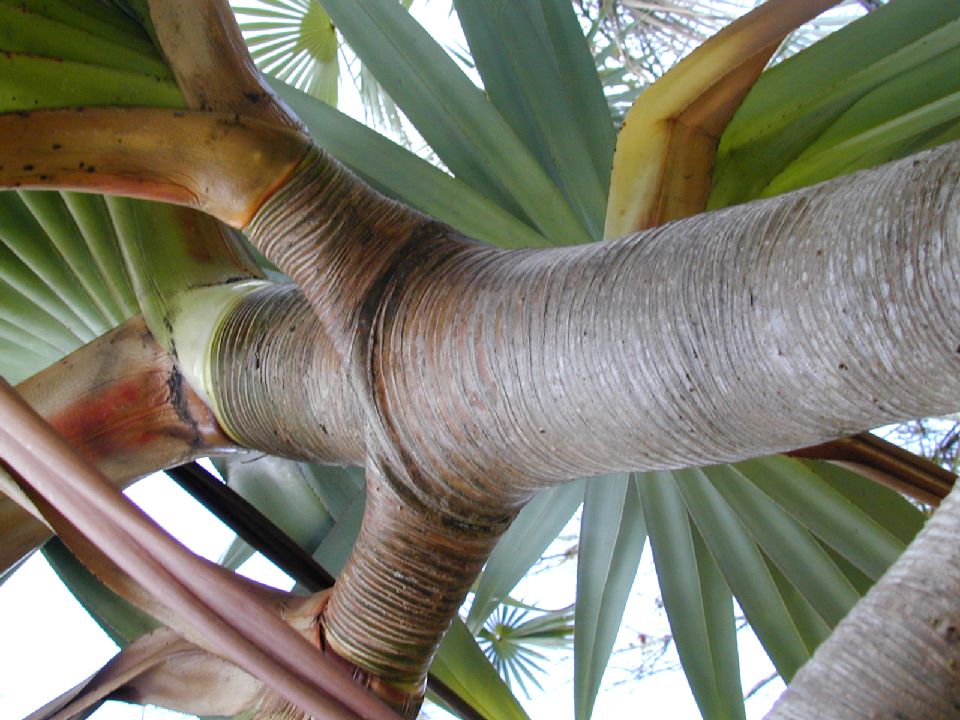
x=666 y=148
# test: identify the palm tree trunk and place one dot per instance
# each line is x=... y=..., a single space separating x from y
x=480 y=375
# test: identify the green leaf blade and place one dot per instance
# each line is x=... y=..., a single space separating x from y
x=406 y=177
x=795 y=103
x=522 y=545
x=612 y=536
x=746 y=571
x=698 y=603
x=788 y=544
x=825 y=512
x=520 y=67
x=460 y=124
x=462 y=665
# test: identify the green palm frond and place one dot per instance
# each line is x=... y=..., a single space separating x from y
x=513 y=638
x=294 y=41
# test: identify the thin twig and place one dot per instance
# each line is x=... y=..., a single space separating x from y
x=761 y=684
x=252 y=526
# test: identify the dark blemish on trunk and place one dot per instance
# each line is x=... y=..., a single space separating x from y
x=56 y=146
x=952 y=634
x=843 y=366
x=27 y=168
x=168 y=325
x=91 y=169
x=178 y=399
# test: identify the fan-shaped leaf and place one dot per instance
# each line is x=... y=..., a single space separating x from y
x=510 y=636
x=294 y=42
x=461 y=665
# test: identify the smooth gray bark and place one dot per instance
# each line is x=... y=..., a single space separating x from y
x=477 y=376
x=760 y=328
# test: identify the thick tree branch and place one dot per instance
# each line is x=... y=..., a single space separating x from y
x=482 y=375
x=222 y=164
x=734 y=334
x=202 y=44
x=280 y=383
x=738 y=333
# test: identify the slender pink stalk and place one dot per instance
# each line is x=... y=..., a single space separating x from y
x=213 y=606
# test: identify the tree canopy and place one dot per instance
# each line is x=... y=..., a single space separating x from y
x=428 y=330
